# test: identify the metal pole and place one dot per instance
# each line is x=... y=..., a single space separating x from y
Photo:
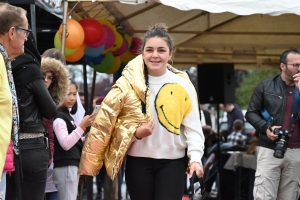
x=33 y=21
x=64 y=27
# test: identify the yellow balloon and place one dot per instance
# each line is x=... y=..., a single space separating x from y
x=118 y=42
x=126 y=57
x=108 y=23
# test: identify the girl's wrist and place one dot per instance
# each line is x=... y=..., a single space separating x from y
x=136 y=136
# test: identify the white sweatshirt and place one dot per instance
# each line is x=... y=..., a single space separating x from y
x=175 y=111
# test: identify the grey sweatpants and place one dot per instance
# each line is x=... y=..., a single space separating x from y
x=66 y=181
x=277 y=179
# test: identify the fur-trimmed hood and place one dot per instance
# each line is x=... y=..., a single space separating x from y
x=59 y=88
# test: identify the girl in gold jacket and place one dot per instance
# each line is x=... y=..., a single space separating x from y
x=151 y=114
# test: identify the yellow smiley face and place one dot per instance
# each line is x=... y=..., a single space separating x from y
x=172 y=104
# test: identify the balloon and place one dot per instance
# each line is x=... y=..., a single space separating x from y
x=116 y=65
x=122 y=49
x=94 y=60
x=111 y=37
x=93 y=52
x=108 y=23
x=106 y=63
x=126 y=57
x=128 y=39
x=118 y=42
x=105 y=51
x=102 y=41
x=93 y=30
x=77 y=55
x=135 y=45
x=57 y=45
x=74 y=34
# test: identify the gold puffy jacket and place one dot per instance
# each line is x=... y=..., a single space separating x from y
x=117 y=120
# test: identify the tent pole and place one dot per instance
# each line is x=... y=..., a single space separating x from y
x=64 y=27
x=33 y=20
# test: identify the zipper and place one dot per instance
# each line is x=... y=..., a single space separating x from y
x=280 y=97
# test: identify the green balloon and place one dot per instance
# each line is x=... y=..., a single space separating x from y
x=106 y=64
x=57 y=45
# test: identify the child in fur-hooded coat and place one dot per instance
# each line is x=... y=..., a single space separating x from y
x=58 y=90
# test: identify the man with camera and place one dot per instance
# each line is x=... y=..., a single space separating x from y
x=274 y=112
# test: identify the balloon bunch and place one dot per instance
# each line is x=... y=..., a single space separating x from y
x=104 y=48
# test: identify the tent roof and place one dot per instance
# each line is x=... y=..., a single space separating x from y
x=208 y=34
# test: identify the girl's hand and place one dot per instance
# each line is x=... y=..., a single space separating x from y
x=196 y=167
x=145 y=129
x=87 y=121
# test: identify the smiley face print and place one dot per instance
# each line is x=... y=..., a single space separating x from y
x=172 y=104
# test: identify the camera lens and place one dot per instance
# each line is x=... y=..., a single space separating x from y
x=278 y=154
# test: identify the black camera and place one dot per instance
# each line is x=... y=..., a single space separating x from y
x=281 y=144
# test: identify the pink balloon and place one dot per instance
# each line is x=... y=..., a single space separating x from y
x=111 y=37
x=122 y=49
x=102 y=41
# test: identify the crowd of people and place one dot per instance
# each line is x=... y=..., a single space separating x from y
x=149 y=127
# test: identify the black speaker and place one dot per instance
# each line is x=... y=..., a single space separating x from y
x=216 y=83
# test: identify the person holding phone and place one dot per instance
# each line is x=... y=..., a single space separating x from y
x=151 y=114
x=68 y=145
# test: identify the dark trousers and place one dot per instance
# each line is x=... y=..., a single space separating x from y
x=155 y=179
x=34 y=158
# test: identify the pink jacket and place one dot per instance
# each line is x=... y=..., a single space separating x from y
x=9 y=161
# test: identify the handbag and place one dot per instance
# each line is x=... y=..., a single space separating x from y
x=197 y=188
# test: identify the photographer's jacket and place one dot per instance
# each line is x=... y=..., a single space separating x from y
x=270 y=94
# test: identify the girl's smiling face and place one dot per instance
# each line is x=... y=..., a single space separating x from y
x=156 y=54
x=71 y=98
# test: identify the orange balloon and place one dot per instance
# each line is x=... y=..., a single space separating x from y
x=74 y=34
x=79 y=53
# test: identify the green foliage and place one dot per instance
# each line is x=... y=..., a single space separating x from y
x=244 y=92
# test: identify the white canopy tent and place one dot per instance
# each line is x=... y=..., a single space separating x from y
x=249 y=33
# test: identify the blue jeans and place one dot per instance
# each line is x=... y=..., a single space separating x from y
x=3 y=186
x=34 y=158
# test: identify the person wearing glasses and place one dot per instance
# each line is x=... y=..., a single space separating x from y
x=11 y=45
x=274 y=112
x=35 y=103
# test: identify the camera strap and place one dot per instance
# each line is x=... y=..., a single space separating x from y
x=294 y=117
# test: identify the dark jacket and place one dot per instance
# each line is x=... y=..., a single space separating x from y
x=71 y=157
x=269 y=94
x=34 y=99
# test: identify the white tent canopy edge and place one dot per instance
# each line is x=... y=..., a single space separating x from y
x=239 y=7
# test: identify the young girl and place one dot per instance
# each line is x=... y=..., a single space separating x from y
x=151 y=114
x=67 y=146
x=56 y=78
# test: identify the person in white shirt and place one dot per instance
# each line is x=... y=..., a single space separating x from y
x=152 y=115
